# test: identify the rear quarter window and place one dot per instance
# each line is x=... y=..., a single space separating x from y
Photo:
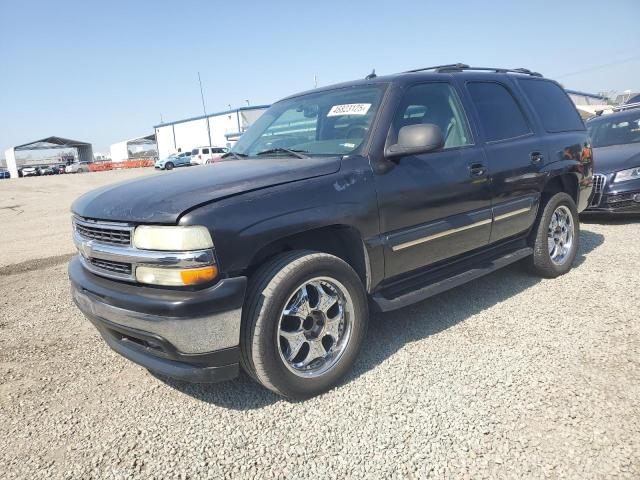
x=553 y=106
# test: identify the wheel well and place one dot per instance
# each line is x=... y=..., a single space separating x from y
x=340 y=240
x=562 y=183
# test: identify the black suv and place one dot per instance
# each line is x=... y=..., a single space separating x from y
x=372 y=194
x=616 y=142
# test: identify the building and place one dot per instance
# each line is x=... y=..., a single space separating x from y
x=588 y=103
x=225 y=129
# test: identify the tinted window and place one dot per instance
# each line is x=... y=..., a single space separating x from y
x=435 y=103
x=553 y=106
x=205 y=150
x=500 y=116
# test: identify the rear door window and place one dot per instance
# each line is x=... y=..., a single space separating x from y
x=551 y=103
x=500 y=116
x=205 y=151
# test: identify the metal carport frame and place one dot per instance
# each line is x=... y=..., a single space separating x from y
x=84 y=149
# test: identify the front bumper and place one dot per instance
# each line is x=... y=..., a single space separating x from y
x=188 y=335
x=620 y=197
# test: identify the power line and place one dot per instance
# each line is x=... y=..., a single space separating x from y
x=598 y=67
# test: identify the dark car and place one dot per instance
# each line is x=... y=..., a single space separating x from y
x=373 y=194
x=616 y=144
x=4 y=174
x=50 y=170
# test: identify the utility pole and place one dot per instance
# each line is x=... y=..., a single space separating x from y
x=248 y=104
x=204 y=109
x=315 y=81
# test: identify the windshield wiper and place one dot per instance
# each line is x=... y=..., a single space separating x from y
x=237 y=156
x=293 y=153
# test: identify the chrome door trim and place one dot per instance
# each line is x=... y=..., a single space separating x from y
x=513 y=213
x=451 y=231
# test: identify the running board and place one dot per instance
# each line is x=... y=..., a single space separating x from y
x=440 y=285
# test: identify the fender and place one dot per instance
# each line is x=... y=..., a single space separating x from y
x=247 y=223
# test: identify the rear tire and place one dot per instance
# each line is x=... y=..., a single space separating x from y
x=322 y=301
x=168 y=166
x=555 y=237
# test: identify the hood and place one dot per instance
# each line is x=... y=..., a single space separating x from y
x=163 y=198
x=616 y=157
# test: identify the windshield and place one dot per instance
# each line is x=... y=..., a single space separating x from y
x=615 y=132
x=333 y=122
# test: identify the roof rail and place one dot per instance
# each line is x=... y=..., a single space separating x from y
x=458 y=67
x=626 y=106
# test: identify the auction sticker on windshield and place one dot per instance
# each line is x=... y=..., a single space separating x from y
x=349 y=109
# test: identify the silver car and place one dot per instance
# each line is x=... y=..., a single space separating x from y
x=78 y=167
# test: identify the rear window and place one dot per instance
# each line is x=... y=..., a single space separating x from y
x=500 y=116
x=552 y=104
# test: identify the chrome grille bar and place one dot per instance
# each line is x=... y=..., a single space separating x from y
x=103 y=232
x=599 y=181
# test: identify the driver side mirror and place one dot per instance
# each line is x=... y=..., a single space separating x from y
x=416 y=139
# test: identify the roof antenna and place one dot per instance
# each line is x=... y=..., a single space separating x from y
x=372 y=75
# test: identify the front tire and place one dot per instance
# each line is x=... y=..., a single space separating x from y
x=168 y=166
x=303 y=322
x=556 y=237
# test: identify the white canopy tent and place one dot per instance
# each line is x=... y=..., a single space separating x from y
x=120 y=151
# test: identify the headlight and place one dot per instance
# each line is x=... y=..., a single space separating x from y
x=176 y=239
x=631 y=174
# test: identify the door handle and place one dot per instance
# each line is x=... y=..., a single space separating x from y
x=536 y=157
x=477 y=170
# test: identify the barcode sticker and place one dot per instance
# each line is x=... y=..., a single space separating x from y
x=349 y=109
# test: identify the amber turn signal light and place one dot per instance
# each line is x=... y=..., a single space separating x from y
x=198 y=275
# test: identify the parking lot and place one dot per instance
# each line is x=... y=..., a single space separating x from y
x=509 y=376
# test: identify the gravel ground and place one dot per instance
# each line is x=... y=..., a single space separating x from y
x=509 y=377
x=38 y=207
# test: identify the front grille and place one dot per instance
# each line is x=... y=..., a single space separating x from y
x=622 y=200
x=598 y=187
x=111 y=266
x=103 y=233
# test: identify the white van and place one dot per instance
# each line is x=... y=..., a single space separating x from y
x=202 y=155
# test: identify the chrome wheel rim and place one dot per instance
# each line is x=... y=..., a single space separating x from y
x=315 y=327
x=560 y=235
